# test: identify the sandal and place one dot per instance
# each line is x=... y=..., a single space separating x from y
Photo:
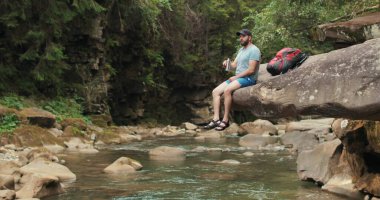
x=212 y=124
x=222 y=125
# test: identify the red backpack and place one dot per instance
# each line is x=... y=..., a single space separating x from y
x=286 y=58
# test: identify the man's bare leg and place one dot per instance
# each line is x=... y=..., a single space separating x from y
x=216 y=93
x=228 y=98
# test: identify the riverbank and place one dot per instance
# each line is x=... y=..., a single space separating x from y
x=33 y=166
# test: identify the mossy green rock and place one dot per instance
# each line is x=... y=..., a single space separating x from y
x=32 y=136
x=36 y=116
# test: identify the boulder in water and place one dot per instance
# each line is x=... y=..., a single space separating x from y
x=123 y=165
x=256 y=141
x=299 y=140
x=50 y=168
x=316 y=164
x=259 y=126
x=167 y=153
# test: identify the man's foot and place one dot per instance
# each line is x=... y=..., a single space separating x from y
x=212 y=124
x=222 y=125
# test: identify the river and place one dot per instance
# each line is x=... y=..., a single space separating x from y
x=264 y=175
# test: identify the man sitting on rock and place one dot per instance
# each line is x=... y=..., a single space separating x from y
x=247 y=64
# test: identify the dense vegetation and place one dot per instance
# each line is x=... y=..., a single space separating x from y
x=61 y=107
x=53 y=48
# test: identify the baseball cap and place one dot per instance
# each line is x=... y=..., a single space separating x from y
x=244 y=32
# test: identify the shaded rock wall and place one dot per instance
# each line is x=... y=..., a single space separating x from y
x=90 y=76
x=362 y=152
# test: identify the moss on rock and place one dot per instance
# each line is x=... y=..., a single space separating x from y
x=28 y=135
x=74 y=122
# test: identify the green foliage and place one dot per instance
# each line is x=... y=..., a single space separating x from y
x=65 y=108
x=158 y=45
x=77 y=132
x=8 y=123
x=32 y=42
x=87 y=5
x=12 y=101
x=287 y=23
x=150 y=10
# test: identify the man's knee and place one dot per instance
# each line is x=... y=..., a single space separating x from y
x=228 y=91
x=216 y=92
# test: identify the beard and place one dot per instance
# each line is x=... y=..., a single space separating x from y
x=244 y=43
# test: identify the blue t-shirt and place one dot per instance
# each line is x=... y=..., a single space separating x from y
x=244 y=56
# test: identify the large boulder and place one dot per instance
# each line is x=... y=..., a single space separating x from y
x=341 y=184
x=316 y=164
x=7 y=194
x=127 y=138
x=7 y=167
x=49 y=168
x=299 y=140
x=201 y=114
x=212 y=134
x=259 y=126
x=36 y=116
x=39 y=185
x=33 y=136
x=76 y=144
x=264 y=75
x=341 y=83
x=305 y=125
x=40 y=154
x=6 y=181
x=350 y=32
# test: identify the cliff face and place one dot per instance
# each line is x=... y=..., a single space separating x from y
x=341 y=83
x=111 y=69
x=90 y=74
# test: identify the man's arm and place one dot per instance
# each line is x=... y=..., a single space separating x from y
x=233 y=64
x=251 y=69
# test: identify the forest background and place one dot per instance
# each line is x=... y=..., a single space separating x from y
x=84 y=57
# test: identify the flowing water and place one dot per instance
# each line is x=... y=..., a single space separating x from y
x=265 y=175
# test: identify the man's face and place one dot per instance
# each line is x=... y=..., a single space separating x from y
x=244 y=40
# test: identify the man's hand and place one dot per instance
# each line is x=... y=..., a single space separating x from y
x=224 y=63
x=232 y=78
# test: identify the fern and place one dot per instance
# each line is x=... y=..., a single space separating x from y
x=8 y=123
x=65 y=108
x=12 y=101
